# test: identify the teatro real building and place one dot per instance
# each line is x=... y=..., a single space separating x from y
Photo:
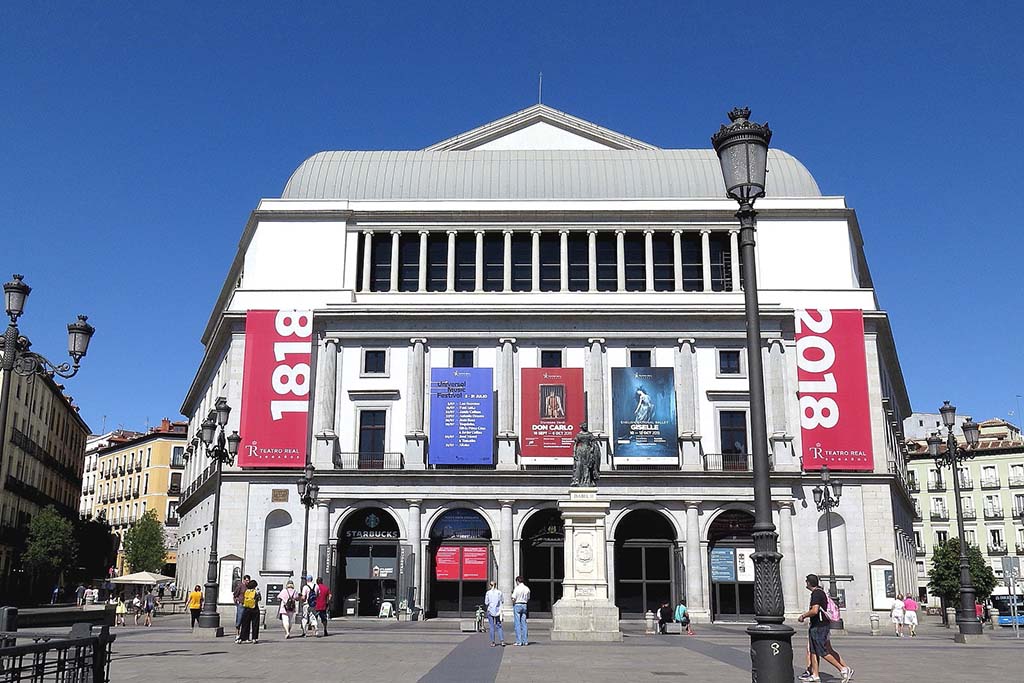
x=430 y=328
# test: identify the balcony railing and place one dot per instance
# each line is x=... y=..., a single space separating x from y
x=171 y=521
x=966 y=483
x=996 y=548
x=993 y=513
x=970 y=514
x=1018 y=512
x=1020 y=548
x=732 y=462
x=175 y=489
x=940 y=515
x=989 y=483
x=936 y=485
x=920 y=551
x=370 y=461
x=917 y=513
x=914 y=485
x=1016 y=482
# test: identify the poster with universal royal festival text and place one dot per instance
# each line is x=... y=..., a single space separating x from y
x=461 y=416
x=644 y=412
x=835 y=419
x=552 y=409
x=275 y=389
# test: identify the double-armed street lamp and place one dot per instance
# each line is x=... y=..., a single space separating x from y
x=826 y=498
x=308 y=492
x=17 y=358
x=222 y=449
x=966 y=619
x=742 y=149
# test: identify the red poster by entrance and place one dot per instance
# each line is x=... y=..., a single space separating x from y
x=447 y=563
x=275 y=388
x=474 y=563
x=831 y=366
x=552 y=410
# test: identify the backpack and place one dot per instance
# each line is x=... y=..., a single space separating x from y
x=311 y=598
x=831 y=608
x=249 y=598
x=289 y=604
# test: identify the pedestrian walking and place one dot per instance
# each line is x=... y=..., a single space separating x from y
x=520 y=610
x=149 y=604
x=236 y=595
x=120 y=610
x=289 y=600
x=137 y=608
x=173 y=588
x=160 y=591
x=682 y=615
x=910 y=608
x=896 y=613
x=664 y=618
x=249 y=631
x=80 y=595
x=54 y=594
x=308 y=606
x=195 y=604
x=819 y=643
x=323 y=601
x=493 y=600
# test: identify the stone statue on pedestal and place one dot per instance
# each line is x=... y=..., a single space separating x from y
x=586 y=459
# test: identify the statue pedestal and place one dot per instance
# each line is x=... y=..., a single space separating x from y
x=585 y=613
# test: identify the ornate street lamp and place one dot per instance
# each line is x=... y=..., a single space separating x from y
x=16 y=354
x=742 y=149
x=966 y=619
x=222 y=449
x=826 y=497
x=308 y=492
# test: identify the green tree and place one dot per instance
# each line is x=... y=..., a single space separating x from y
x=51 y=547
x=944 y=576
x=145 y=549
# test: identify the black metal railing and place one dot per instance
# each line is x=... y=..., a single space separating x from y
x=993 y=513
x=913 y=486
x=990 y=482
x=386 y=460
x=1016 y=482
x=1018 y=512
x=731 y=462
x=939 y=515
x=171 y=521
x=920 y=551
x=1020 y=548
x=936 y=485
x=966 y=483
x=996 y=548
x=49 y=657
x=970 y=513
x=174 y=490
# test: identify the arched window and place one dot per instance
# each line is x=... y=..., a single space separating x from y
x=277 y=541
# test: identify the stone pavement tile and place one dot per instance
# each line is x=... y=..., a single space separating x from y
x=472 y=660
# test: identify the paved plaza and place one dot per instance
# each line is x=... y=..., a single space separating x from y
x=434 y=651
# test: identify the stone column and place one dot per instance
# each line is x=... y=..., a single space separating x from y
x=688 y=401
x=694 y=579
x=415 y=437
x=422 y=285
x=705 y=258
x=649 y=260
x=325 y=433
x=367 y=259
x=506 y=404
x=478 y=284
x=535 y=261
x=414 y=522
x=779 y=436
x=592 y=260
x=563 y=261
x=594 y=384
x=506 y=556
x=395 y=235
x=507 y=263
x=322 y=538
x=734 y=258
x=450 y=271
x=610 y=563
x=791 y=585
x=677 y=260
x=620 y=260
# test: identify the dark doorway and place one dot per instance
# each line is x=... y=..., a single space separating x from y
x=368 y=563
x=645 y=571
x=730 y=544
x=461 y=563
x=543 y=559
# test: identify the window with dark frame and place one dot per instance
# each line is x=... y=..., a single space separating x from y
x=607 y=262
x=437 y=262
x=551 y=359
x=732 y=425
x=693 y=262
x=462 y=358
x=409 y=262
x=550 y=262
x=664 y=265
x=729 y=362
x=380 y=262
x=522 y=261
x=639 y=359
x=375 y=362
x=721 y=262
x=465 y=262
x=371 y=434
x=494 y=262
x=634 y=257
x=578 y=248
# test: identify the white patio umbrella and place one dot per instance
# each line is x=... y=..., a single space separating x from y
x=142 y=578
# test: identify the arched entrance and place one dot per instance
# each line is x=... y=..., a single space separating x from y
x=460 y=563
x=368 y=566
x=543 y=559
x=730 y=545
x=645 y=562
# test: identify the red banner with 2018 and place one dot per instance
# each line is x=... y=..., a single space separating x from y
x=835 y=417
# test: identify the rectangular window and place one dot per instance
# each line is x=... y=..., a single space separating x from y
x=971 y=537
x=375 y=362
x=550 y=262
x=635 y=261
x=371 y=434
x=721 y=262
x=465 y=262
x=462 y=359
x=551 y=359
x=409 y=262
x=995 y=537
x=175 y=486
x=380 y=262
x=177 y=456
x=172 y=510
x=941 y=537
x=437 y=262
x=729 y=362
x=607 y=262
x=920 y=568
x=917 y=540
x=639 y=359
x=733 y=438
x=664 y=262
x=579 y=258
x=522 y=261
x=494 y=262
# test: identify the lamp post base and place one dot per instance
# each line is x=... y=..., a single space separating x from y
x=771 y=652
x=214 y=632
x=210 y=621
x=969 y=638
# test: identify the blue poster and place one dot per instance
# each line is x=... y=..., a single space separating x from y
x=723 y=564
x=461 y=416
x=644 y=413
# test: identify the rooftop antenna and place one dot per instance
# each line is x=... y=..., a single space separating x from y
x=103 y=425
x=540 y=86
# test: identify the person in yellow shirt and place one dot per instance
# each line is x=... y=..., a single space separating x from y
x=195 y=603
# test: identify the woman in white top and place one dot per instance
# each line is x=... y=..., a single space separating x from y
x=289 y=603
x=897 y=615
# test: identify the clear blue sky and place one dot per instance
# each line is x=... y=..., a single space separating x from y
x=135 y=139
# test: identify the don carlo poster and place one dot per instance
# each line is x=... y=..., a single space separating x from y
x=552 y=410
x=644 y=413
x=461 y=416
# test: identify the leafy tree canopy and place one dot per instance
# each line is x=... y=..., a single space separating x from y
x=145 y=548
x=51 y=542
x=944 y=575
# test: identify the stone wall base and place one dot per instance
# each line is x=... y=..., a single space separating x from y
x=577 y=619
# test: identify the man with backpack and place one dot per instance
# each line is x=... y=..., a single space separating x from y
x=308 y=597
x=821 y=612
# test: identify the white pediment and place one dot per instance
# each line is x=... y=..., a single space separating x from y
x=539 y=128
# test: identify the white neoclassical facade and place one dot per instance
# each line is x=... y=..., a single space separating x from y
x=540 y=246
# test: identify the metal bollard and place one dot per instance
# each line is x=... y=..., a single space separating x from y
x=876 y=629
x=651 y=628
x=950 y=617
x=993 y=618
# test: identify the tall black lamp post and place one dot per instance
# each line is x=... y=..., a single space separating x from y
x=308 y=492
x=17 y=357
x=221 y=449
x=966 y=619
x=742 y=149
x=826 y=498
